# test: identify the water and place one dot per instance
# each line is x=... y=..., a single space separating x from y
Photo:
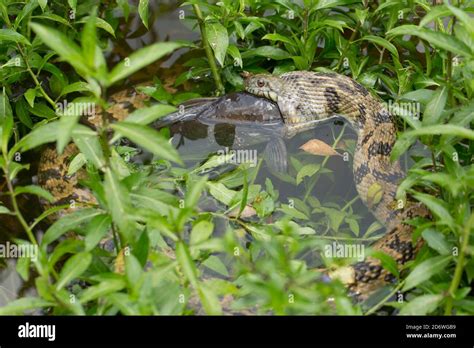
x=196 y=141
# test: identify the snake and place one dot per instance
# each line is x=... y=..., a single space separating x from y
x=299 y=100
x=306 y=96
x=53 y=167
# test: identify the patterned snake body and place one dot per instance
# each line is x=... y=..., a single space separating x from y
x=305 y=96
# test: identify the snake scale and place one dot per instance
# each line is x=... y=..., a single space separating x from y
x=305 y=96
x=302 y=97
x=53 y=168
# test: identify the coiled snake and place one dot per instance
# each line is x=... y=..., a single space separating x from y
x=305 y=96
x=302 y=97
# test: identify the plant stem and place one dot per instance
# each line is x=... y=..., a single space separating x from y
x=350 y=203
x=385 y=299
x=459 y=266
x=343 y=55
x=16 y=209
x=35 y=79
x=103 y=139
x=257 y=170
x=449 y=69
x=208 y=50
x=311 y=186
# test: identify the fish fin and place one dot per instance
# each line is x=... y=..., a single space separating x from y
x=189 y=110
x=276 y=155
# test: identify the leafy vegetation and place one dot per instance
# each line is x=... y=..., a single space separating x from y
x=168 y=255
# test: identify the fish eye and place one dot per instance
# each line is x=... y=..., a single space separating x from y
x=260 y=83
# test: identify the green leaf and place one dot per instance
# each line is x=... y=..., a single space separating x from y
x=141 y=248
x=44 y=288
x=148 y=199
x=24 y=304
x=201 y=232
x=52 y=17
x=421 y=305
x=60 y=43
x=13 y=36
x=450 y=182
x=99 y=23
x=6 y=122
x=267 y=52
x=409 y=137
x=214 y=263
x=437 y=241
x=140 y=59
x=96 y=230
x=77 y=163
x=89 y=40
x=353 y=225
x=30 y=96
x=72 y=4
x=90 y=147
x=278 y=37
x=118 y=201
x=220 y=192
x=245 y=195
x=148 y=138
x=104 y=288
x=420 y=95
x=382 y=42
x=448 y=129
x=43 y=4
x=333 y=3
x=437 y=39
x=218 y=39
x=235 y=53
x=35 y=190
x=463 y=16
x=66 y=124
x=67 y=246
x=75 y=87
x=425 y=271
x=307 y=171
x=73 y=268
x=239 y=30
x=335 y=217
x=433 y=13
x=438 y=207
x=123 y=302
x=293 y=212
x=148 y=115
x=387 y=261
x=210 y=301
x=4 y=210
x=133 y=270
x=187 y=264
x=23 y=267
x=143 y=12
x=42 y=110
x=435 y=107
x=68 y=223
x=26 y=11
x=194 y=191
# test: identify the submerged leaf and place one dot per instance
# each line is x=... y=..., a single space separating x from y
x=319 y=148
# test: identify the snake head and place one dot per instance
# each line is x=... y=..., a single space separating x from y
x=264 y=85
